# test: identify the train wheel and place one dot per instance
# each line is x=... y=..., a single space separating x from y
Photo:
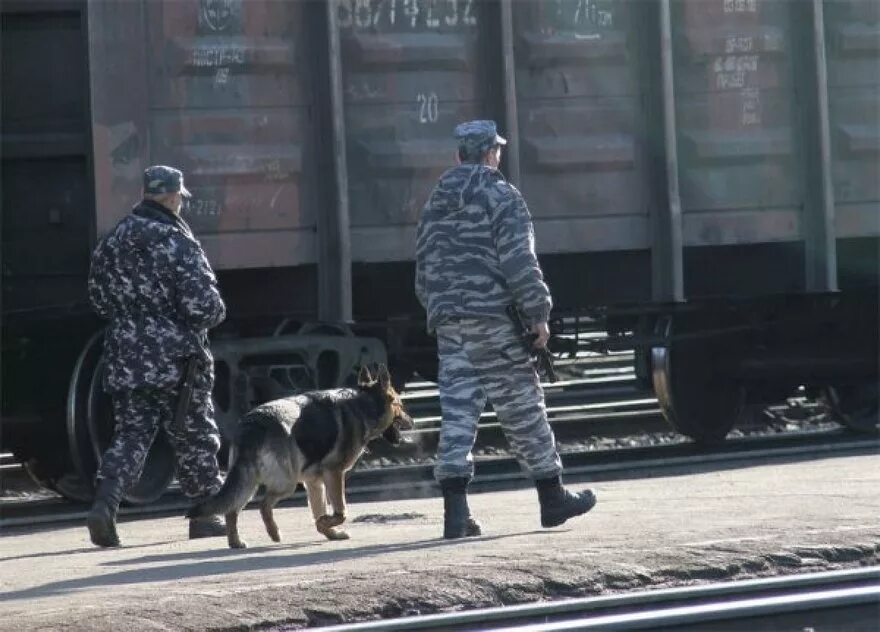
x=78 y=440
x=90 y=429
x=697 y=398
x=855 y=406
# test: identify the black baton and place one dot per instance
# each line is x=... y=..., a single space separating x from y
x=185 y=395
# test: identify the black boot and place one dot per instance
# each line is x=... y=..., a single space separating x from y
x=207 y=527
x=558 y=504
x=102 y=517
x=457 y=519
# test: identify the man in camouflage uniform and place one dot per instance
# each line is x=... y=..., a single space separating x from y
x=475 y=255
x=149 y=277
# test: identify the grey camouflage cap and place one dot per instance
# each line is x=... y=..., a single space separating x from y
x=475 y=137
x=160 y=179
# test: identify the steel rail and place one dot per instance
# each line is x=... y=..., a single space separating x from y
x=653 y=609
x=600 y=387
x=429 y=423
x=596 y=376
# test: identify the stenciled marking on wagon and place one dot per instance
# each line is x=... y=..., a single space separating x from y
x=431 y=19
x=204 y=208
x=751 y=106
x=217 y=56
x=739 y=44
x=740 y=6
x=371 y=14
x=219 y=15
x=221 y=77
x=274 y=170
x=275 y=197
x=362 y=89
x=579 y=14
x=429 y=107
x=731 y=71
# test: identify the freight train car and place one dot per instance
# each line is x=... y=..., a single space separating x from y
x=702 y=176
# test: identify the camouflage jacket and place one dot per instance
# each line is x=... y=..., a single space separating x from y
x=475 y=250
x=149 y=277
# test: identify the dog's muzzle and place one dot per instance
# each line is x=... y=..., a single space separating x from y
x=392 y=433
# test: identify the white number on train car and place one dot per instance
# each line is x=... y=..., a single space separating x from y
x=733 y=71
x=452 y=13
x=740 y=6
x=217 y=56
x=204 y=208
x=363 y=16
x=583 y=14
x=411 y=10
x=429 y=107
x=467 y=17
x=431 y=19
x=412 y=14
x=751 y=106
x=739 y=44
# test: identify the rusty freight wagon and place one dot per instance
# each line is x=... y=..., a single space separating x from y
x=703 y=177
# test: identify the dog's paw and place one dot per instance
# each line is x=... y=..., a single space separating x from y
x=335 y=533
x=336 y=519
x=275 y=535
x=237 y=544
x=328 y=526
x=328 y=522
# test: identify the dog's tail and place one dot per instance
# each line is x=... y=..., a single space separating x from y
x=239 y=487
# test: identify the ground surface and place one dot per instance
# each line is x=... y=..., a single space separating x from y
x=782 y=517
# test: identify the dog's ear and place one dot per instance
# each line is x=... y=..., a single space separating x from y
x=364 y=377
x=384 y=377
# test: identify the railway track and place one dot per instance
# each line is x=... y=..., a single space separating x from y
x=601 y=391
x=503 y=472
x=596 y=410
x=835 y=600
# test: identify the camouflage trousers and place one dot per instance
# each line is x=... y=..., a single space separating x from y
x=139 y=414
x=484 y=359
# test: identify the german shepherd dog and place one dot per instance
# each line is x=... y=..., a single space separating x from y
x=313 y=438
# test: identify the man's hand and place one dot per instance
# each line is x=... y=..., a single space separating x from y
x=542 y=331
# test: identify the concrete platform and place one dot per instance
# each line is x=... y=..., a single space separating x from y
x=775 y=518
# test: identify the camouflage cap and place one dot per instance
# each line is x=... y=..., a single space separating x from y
x=475 y=137
x=160 y=179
